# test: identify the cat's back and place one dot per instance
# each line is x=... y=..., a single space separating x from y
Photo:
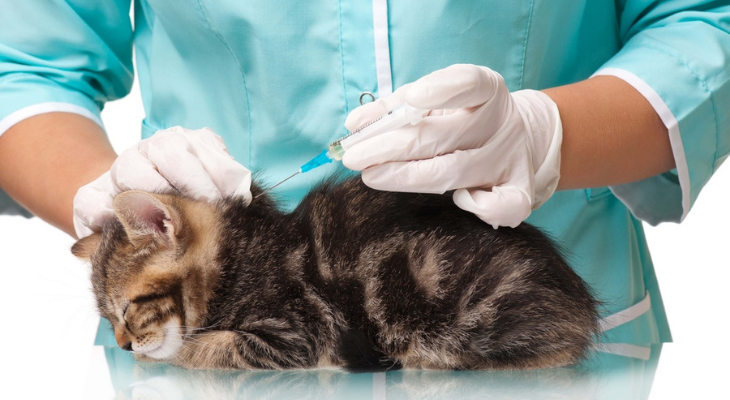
x=349 y=214
x=350 y=204
x=426 y=280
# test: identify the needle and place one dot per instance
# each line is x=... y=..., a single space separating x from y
x=398 y=118
x=267 y=190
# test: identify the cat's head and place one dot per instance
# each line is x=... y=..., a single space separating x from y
x=154 y=268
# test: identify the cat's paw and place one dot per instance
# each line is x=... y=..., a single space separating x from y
x=187 y=363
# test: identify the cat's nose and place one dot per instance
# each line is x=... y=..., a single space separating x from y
x=123 y=339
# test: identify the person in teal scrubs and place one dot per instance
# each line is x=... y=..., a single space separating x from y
x=642 y=88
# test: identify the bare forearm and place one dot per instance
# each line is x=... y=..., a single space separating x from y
x=45 y=159
x=611 y=134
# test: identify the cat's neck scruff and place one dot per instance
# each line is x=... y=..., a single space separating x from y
x=353 y=278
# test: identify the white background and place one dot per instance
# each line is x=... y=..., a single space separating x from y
x=48 y=318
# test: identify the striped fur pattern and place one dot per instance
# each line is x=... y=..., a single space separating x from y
x=353 y=278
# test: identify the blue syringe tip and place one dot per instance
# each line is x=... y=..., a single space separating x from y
x=322 y=159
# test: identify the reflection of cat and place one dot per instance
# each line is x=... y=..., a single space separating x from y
x=602 y=376
x=353 y=277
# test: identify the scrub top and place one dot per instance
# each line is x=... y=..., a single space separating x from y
x=277 y=79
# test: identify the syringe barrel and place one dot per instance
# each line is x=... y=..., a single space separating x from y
x=398 y=118
x=336 y=150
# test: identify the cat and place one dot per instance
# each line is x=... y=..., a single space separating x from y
x=353 y=278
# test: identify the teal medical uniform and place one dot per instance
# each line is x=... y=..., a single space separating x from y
x=277 y=79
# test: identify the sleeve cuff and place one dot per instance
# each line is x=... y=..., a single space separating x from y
x=42 y=108
x=25 y=95
x=652 y=199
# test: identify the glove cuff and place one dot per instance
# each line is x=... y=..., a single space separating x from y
x=92 y=205
x=544 y=131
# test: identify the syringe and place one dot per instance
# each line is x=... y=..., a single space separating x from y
x=398 y=118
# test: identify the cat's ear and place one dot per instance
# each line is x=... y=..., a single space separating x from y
x=148 y=219
x=85 y=247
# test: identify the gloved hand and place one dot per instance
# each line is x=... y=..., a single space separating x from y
x=196 y=163
x=501 y=150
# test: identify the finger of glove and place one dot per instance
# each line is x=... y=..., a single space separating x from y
x=502 y=206
x=133 y=170
x=433 y=137
x=364 y=114
x=175 y=160
x=374 y=110
x=92 y=205
x=435 y=175
x=457 y=86
x=208 y=136
x=229 y=176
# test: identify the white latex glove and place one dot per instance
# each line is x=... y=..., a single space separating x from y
x=501 y=150
x=195 y=163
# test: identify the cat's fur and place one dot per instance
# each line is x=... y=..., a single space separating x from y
x=353 y=277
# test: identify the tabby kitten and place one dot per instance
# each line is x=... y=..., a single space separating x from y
x=353 y=278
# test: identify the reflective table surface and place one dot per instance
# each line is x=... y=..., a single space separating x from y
x=602 y=376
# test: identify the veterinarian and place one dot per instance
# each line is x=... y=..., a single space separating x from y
x=581 y=117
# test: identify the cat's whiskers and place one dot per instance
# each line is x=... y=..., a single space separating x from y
x=200 y=344
x=199 y=334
